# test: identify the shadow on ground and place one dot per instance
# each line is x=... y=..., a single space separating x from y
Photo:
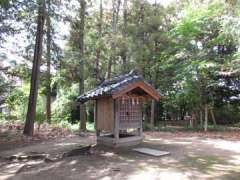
x=191 y=158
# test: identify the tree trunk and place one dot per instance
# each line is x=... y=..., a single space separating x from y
x=116 y=7
x=213 y=117
x=124 y=53
x=154 y=78
x=206 y=118
x=152 y=113
x=98 y=52
x=48 y=102
x=194 y=123
x=29 y=124
x=81 y=65
x=201 y=118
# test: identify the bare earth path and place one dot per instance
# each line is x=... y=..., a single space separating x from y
x=192 y=157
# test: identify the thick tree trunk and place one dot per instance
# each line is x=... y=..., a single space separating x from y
x=201 y=118
x=29 y=124
x=152 y=118
x=154 y=77
x=48 y=102
x=109 y=71
x=152 y=113
x=98 y=52
x=206 y=118
x=83 y=118
x=116 y=6
x=124 y=53
x=213 y=117
x=194 y=123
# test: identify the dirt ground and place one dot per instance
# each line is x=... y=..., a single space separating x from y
x=193 y=156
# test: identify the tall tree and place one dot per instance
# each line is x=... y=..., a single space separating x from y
x=81 y=64
x=154 y=73
x=31 y=112
x=98 y=51
x=48 y=24
x=124 y=53
x=115 y=13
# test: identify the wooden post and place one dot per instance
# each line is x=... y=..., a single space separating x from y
x=152 y=114
x=95 y=119
x=206 y=118
x=201 y=118
x=140 y=130
x=116 y=120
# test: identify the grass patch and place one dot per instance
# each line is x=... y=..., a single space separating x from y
x=90 y=127
x=236 y=125
x=148 y=127
x=216 y=128
x=211 y=128
x=159 y=127
x=74 y=127
x=166 y=129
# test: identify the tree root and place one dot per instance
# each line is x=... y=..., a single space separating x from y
x=80 y=150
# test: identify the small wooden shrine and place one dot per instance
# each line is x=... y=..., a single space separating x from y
x=118 y=109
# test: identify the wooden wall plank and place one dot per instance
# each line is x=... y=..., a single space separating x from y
x=105 y=114
x=116 y=120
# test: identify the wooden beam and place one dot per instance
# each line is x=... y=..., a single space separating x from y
x=95 y=119
x=116 y=120
x=148 y=89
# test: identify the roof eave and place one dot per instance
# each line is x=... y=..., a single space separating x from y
x=141 y=84
x=93 y=98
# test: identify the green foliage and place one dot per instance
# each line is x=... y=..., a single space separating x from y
x=228 y=114
x=180 y=49
x=67 y=125
x=147 y=127
x=166 y=129
x=17 y=102
x=40 y=110
x=3 y=84
x=63 y=104
x=193 y=24
x=4 y=3
x=213 y=128
x=2 y=117
x=73 y=127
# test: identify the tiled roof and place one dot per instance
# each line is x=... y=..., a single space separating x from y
x=107 y=88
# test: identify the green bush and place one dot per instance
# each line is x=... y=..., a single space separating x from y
x=228 y=114
x=17 y=103
x=63 y=104
x=166 y=129
x=73 y=127
x=2 y=117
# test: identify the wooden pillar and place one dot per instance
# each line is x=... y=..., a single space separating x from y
x=116 y=120
x=140 y=130
x=206 y=118
x=95 y=119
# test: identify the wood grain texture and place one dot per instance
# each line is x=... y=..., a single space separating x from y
x=148 y=89
x=105 y=114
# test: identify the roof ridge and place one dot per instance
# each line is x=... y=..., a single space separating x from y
x=120 y=78
x=108 y=87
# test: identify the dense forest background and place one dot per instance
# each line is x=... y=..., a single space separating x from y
x=188 y=50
